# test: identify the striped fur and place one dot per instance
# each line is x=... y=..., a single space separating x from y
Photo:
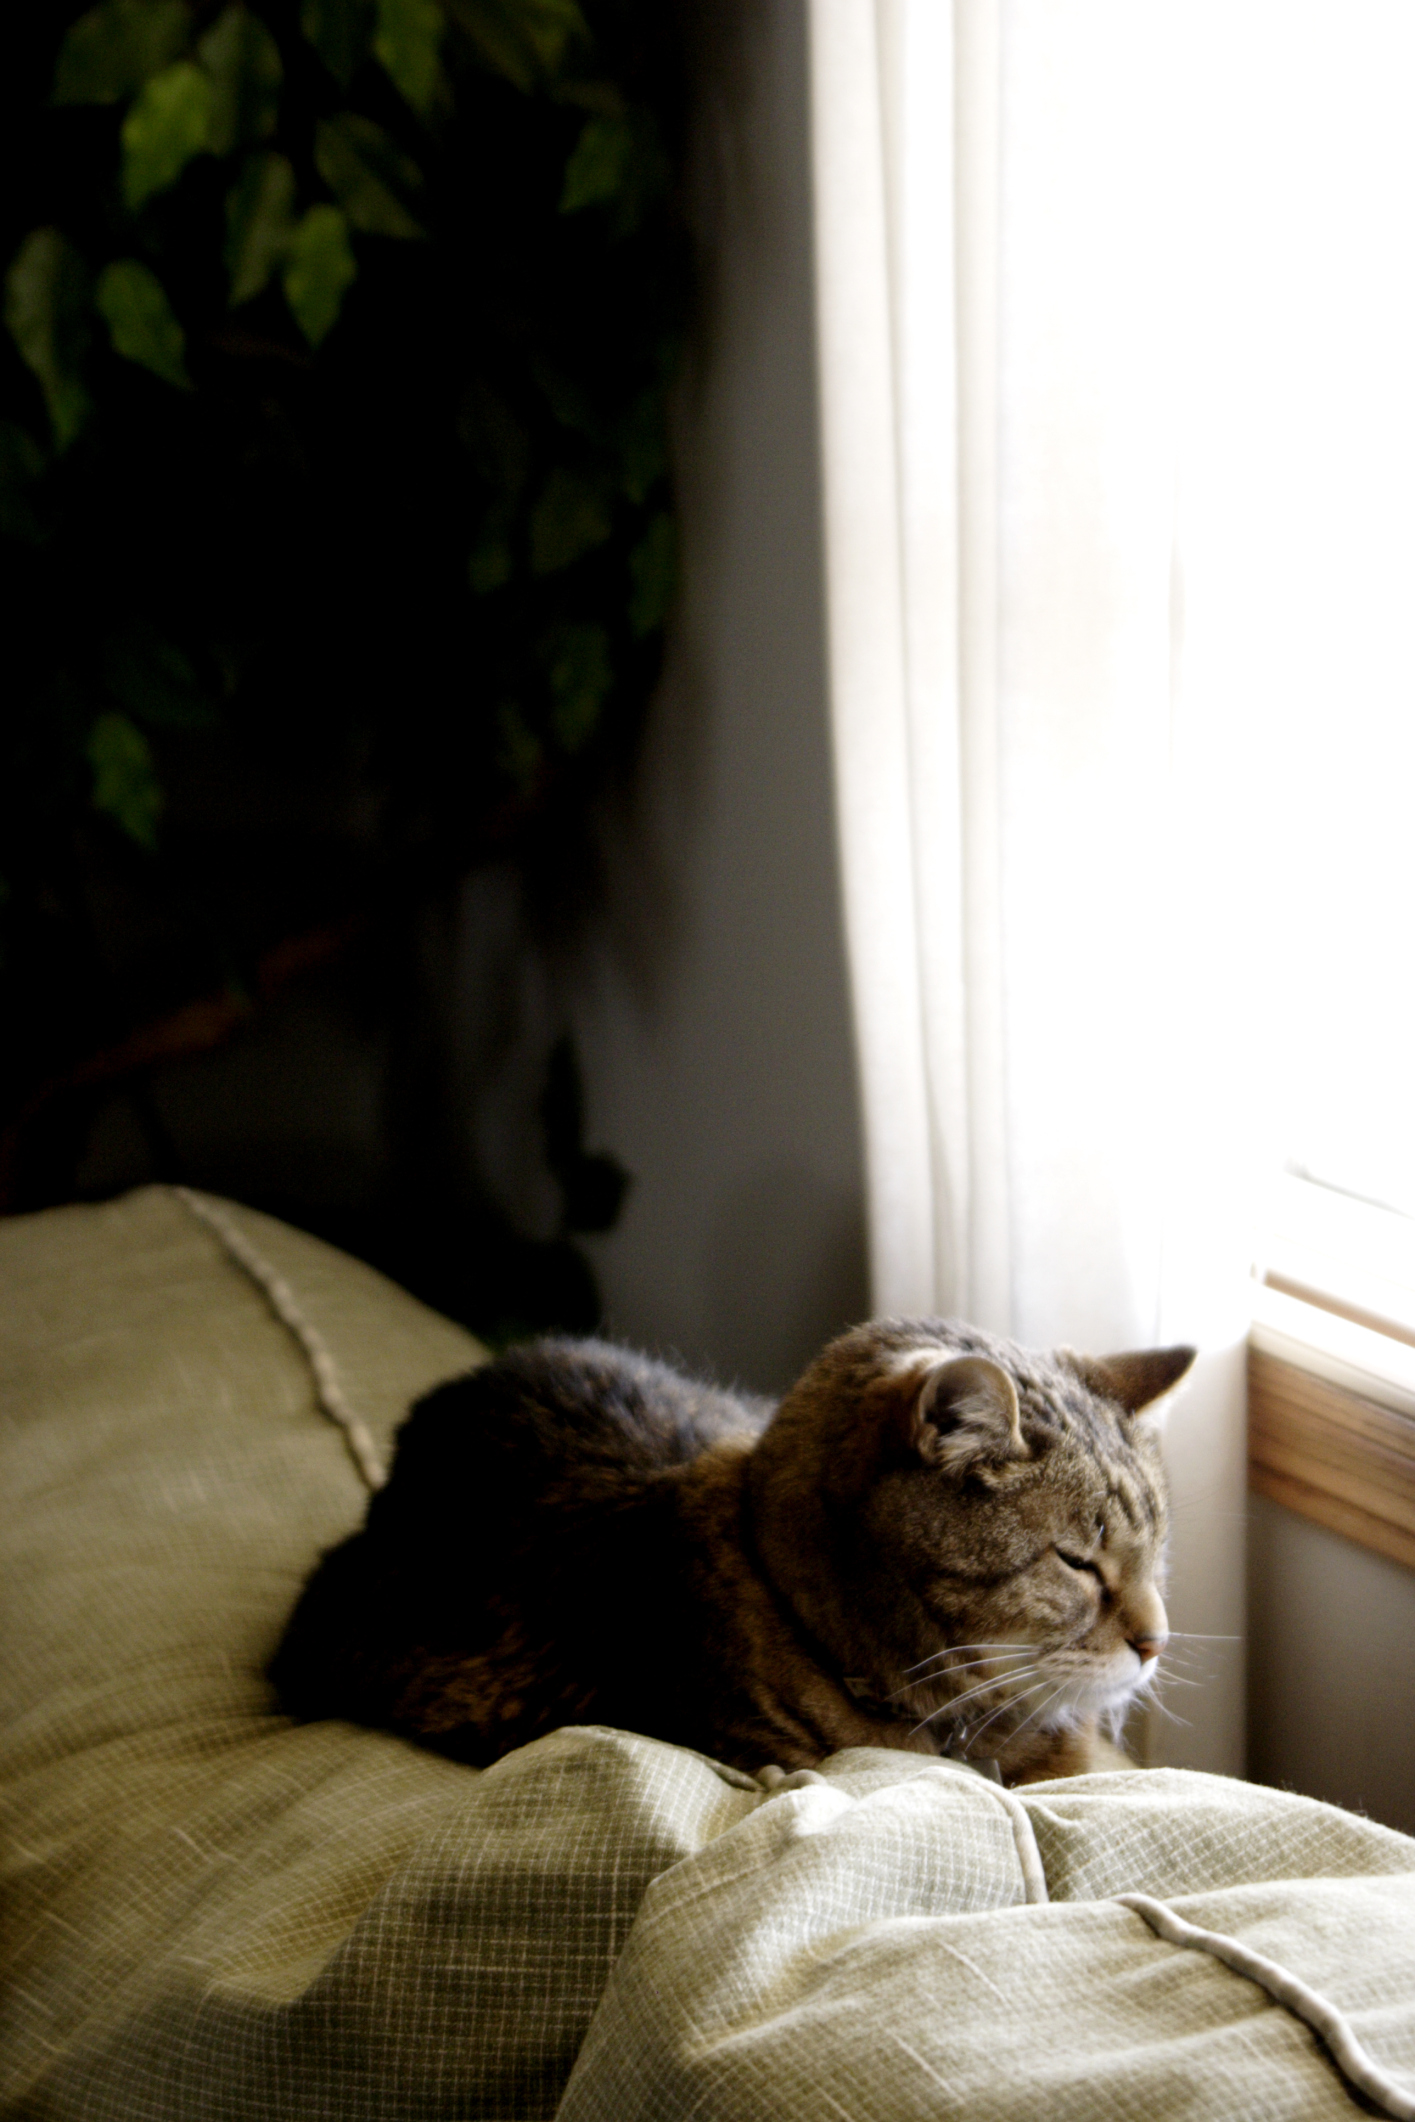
x=938 y=1541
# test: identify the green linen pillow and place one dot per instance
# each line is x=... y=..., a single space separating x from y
x=208 y=1911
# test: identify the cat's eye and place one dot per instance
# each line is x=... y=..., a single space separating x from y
x=1078 y=1563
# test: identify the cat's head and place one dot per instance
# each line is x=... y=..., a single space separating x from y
x=973 y=1532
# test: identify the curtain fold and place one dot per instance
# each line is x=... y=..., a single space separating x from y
x=1046 y=1115
x=905 y=118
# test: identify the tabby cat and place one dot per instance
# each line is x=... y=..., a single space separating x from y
x=938 y=1540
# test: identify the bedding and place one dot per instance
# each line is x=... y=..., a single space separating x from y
x=209 y=1912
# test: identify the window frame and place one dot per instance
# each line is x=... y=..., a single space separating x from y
x=1331 y=1368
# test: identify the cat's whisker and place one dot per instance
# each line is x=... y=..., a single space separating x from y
x=928 y=1678
x=952 y=1650
x=1041 y=1708
x=951 y=1707
x=945 y=1671
x=1189 y=1635
x=991 y=1657
x=1013 y=1704
x=1203 y=1500
x=1200 y=1669
x=982 y=1687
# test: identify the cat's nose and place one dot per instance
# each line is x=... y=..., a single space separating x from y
x=1147 y=1647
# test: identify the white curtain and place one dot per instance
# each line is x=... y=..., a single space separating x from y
x=1041 y=889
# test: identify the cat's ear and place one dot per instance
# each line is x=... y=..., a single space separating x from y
x=1136 y=1381
x=965 y=1414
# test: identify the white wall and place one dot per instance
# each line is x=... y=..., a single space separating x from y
x=716 y=1037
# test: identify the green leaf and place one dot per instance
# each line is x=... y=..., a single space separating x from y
x=260 y=220
x=243 y=62
x=153 y=681
x=598 y=164
x=340 y=31
x=21 y=469
x=47 y=311
x=653 y=576
x=113 y=49
x=581 y=680
x=617 y=161
x=570 y=519
x=168 y=124
x=133 y=303
x=406 y=44
x=525 y=41
x=319 y=266
x=125 y=784
x=368 y=175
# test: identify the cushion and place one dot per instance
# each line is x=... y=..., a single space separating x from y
x=210 y=1912
x=207 y=1909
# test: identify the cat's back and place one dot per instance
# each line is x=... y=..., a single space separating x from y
x=557 y=1415
x=517 y=1493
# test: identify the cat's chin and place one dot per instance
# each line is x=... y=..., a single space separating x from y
x=1088 y=1699
x=1083 y=1699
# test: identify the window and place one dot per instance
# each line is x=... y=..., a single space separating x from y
x=1297 y=546
x=1297 y=536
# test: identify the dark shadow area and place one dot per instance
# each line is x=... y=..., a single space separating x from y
x=339 y=540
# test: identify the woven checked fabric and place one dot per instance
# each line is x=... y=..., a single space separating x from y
x=800 y=1968
x=211 y=1915
x=208 y=1912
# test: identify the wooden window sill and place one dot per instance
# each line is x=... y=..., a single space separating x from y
x=1331 y=1423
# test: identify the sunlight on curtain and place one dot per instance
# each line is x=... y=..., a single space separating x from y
x=1000 y=497
x=1116 y=350
x=1071 y=350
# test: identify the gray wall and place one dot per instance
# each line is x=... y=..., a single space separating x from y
x=1331 y=1665
x=715 y=1025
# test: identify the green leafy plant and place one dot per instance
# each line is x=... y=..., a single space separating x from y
x=334 y=497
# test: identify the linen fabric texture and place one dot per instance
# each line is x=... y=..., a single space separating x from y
x=213 y=1914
